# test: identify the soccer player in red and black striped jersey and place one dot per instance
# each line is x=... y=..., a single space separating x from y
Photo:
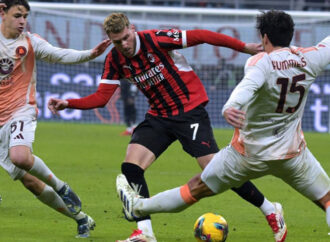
x=176 y=97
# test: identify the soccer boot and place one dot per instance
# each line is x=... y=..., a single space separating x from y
x=277 y=223
x=138 y=236
x=85 y=225
x=70 y=199
x=127 y=196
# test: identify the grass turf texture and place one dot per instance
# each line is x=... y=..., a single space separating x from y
x=88 y=157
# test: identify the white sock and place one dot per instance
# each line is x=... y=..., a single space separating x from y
x=41 y=170
x=168 y=201
x=79 y=216
x=53 y=200
x=267 y=207
x=146 y=227
x=328 y=216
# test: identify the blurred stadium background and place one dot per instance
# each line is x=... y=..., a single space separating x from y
x=78 y=24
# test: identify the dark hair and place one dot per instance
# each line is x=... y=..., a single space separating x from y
x=278 y=26
x=11 y=3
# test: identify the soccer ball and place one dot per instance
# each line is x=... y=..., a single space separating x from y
x=211 y=227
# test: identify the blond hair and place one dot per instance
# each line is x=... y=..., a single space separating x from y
x=115 y=23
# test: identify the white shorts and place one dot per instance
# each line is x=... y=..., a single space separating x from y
x=228 y=169
x=17 y=131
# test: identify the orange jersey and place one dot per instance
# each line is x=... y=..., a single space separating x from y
x=18 y=70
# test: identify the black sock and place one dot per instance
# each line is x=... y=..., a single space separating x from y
x=135 y=177
x=250 y=193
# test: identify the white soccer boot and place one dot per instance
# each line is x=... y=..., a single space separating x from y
x=138 y=236
x=277 y=223
x=128 y=197
x=85 y=225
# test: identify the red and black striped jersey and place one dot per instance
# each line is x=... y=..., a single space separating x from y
x=160 y=72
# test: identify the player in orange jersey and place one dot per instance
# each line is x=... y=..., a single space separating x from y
x=18 y=110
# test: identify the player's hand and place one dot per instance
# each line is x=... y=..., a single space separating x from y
x=234 y=117
x=100 y=48
x=253 y=48
x=55 y=105
x=2 y=6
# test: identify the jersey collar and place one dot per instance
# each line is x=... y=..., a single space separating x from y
x=138 y=44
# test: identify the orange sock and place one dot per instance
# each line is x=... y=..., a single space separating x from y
x=327 y=204
x=186 y=195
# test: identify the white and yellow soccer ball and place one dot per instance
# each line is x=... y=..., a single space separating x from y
x=211 y=227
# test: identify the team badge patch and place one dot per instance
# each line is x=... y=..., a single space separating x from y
x=21 y=51
x=151 y=57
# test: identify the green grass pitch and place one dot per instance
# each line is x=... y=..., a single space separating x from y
x=88 y=157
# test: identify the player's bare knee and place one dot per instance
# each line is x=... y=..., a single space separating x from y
x=21 y=160
x=21 y=157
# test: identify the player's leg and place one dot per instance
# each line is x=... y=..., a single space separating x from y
x=149 y=140
x=48 y=196
x=305 y=174
x=170 y=201
x=223 y=172
x=179 y=198
x=21 y=136
x=273 y=211
x=22 y=157
x=17 y=137
x=139 y=158
x=197 y=139
x=325 y=203
x=248 y=191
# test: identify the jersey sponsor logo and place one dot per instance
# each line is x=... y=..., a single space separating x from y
x=149 y=78
x=21 y=51
x=6 y=66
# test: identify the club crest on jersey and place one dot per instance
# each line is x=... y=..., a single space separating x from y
x=21 y=51
x=6 y=66
x=151 y=57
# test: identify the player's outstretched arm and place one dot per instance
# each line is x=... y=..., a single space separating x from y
x=252 y=48
x=100 y=48
x=202 y=36
x=55 y=105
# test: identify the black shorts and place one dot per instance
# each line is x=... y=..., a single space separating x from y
x=193 y=130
